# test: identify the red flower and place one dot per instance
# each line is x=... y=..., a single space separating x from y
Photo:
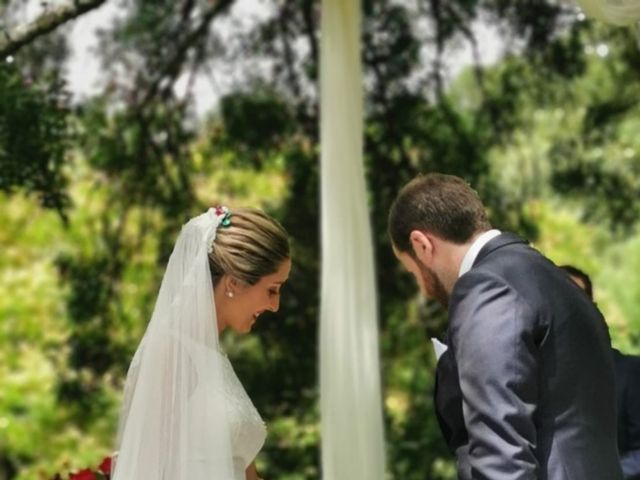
x=85 y=474
x=105 y=466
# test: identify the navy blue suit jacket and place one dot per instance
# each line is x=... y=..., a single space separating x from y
x=627 y=368
x=526 y=389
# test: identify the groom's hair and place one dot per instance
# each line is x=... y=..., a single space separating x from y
x=444 y=205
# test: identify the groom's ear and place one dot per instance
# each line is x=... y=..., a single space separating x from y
x=422 y=246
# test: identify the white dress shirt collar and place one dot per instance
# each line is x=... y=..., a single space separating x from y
x=474 y=249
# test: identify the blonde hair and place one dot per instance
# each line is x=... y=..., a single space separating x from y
x=252 y=246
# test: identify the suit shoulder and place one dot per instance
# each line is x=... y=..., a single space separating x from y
x=481 y=286
x=483 y=292
x=480 y=275
x=478 y=280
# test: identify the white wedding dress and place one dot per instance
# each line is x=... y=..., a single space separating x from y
x=247 y=430
x=185 y=414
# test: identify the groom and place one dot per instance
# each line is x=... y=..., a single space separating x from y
x=525 y=389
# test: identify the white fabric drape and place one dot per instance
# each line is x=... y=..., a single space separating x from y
x=617 y=12
x=350 y=397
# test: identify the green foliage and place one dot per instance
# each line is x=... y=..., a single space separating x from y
x=36 y=433
x=548 y=137
x=394 y=53
x=144 y=151
x=266 y=114
x=33 y=138
x=622 y=295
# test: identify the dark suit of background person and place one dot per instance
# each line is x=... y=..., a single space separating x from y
x=627 y=380
x=535 y=374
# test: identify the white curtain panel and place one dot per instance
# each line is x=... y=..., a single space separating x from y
x=350 y=396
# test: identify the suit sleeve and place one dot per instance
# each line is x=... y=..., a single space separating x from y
x=493 y=337
x=631 y=404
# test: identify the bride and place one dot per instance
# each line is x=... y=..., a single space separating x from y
x=185 y=414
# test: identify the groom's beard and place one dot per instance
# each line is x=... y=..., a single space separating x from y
x=434 y=286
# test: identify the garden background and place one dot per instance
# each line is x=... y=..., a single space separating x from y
x=199 y=102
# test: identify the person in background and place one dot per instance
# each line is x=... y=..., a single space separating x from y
x=627 y=379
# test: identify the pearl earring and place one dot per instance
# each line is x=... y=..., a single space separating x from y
x=230 y=294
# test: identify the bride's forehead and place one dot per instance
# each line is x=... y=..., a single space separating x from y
x=280 y=276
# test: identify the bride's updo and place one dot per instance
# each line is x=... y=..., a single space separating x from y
x=252 y=246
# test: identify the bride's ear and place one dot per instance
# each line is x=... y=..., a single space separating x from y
x=422 y=246
x=229 y=285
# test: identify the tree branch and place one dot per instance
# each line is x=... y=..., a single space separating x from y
x=436 y=11
x=172 y=68
x=13 y=40
x=289 y=55
x=465 y=27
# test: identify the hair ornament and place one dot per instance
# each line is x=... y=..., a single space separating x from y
x=224 y=214
x=221 y=218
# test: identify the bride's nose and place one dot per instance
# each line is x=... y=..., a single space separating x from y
x=274 y=303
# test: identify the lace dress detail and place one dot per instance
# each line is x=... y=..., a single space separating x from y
x=248 y=431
